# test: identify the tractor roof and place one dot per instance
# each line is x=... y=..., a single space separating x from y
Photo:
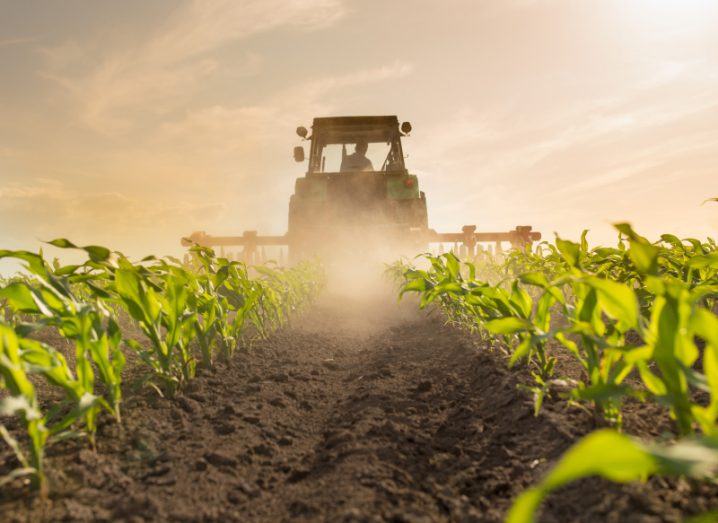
x=343 y=129
x=354 y=121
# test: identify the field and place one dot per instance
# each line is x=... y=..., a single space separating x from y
x=203 y=390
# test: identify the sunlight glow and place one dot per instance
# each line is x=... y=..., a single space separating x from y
x=681 y=15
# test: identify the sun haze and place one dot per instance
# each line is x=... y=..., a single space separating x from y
x=133 y=123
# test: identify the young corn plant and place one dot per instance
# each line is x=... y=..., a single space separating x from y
x=23 y=403
x=157 y=298
x=49 y=300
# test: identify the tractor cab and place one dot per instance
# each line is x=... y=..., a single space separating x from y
x=356 y=184
x=355 y=144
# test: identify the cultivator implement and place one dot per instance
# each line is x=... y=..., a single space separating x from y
x=467 y=243
x=252 y=245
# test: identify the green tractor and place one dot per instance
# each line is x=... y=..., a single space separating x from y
x=357 y=197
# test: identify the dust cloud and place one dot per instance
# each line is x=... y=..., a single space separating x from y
x=359 y=285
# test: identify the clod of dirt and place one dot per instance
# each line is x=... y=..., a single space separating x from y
x=253 y=389
x=158 y=471
x=224 y=429
x=188 y=405
x=424 y=386
x=263 y=449
x=330 y=364
x=281 y=377
x=220 y=460
x=246 y=488
x=234 y=498
x=335 y=439
x=300 y=508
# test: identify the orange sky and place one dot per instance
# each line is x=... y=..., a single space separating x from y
x=132 y=123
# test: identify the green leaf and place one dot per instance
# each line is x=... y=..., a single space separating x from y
x=534 y=278
x=525 y=506
x=569 y=250
x=508 y=325
x=521 y=351
x=628 y=232
x=521 y=300
x=704 y=261
x=97 y=253
x=584 y=241
x=652 y=382
x=705 y=324
x=63 y=243
x=644 y=256
x=453 y=265
x=692 y=457
x=707 y=517
x=601 y=392
x=417 y=285
x=617 y=300
x=35 y=263
x=67 y=270
x=673 y=241
x=18 y=473
x=604 y=453
x=20 y=298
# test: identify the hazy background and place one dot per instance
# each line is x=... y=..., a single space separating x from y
x=132 y=123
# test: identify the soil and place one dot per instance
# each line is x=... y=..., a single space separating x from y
x=358 y=411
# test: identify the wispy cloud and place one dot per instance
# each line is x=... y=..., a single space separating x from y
x=8 y=42
x=226 y=129
x=164 y=71
x=45 y=208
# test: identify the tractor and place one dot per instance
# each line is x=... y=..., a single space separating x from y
x=357 y=197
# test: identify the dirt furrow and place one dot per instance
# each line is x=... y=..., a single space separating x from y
x=360 y=411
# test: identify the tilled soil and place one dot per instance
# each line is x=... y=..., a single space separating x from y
x=359 y=411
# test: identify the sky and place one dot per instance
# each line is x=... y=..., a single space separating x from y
x=133 y=123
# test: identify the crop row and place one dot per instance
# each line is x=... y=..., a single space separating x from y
x=638 y=319
x=190 y=314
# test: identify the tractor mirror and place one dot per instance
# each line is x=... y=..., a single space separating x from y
x=302 y=131
x=406 y=127
x=299 y=153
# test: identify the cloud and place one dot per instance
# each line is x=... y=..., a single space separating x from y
x=163 y=72
x=8 y=152
x=8 y=42
x=46 y=208
x=236 y=129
